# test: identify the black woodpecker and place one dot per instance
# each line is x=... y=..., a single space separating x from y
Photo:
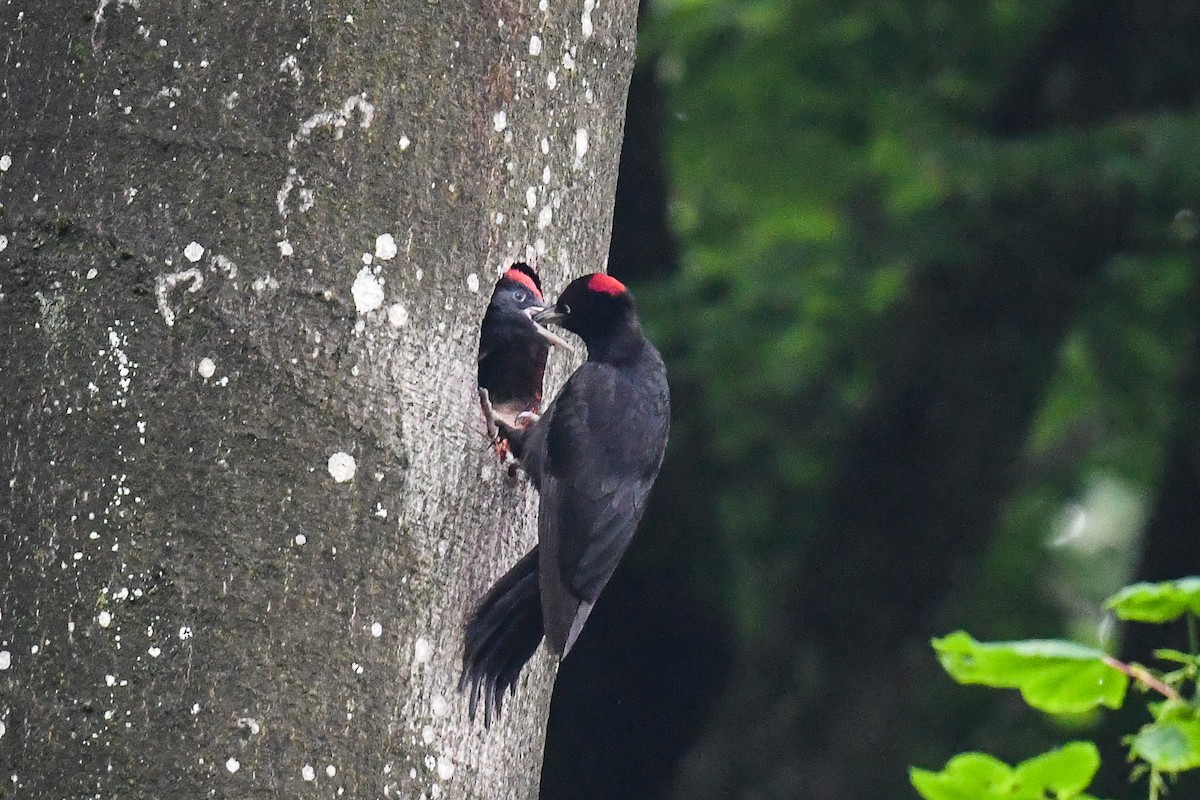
x=593 y=456
x=513 y=349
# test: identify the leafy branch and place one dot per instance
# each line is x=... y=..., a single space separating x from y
x=1064 y=677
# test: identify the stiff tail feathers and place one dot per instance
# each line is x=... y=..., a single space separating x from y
x=502 y=634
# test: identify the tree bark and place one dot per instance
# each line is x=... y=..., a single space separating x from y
x=245 y=255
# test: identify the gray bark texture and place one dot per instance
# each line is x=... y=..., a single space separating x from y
x=245 y=249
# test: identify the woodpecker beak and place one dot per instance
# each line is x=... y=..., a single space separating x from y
x=539 y=315
x=551 y=315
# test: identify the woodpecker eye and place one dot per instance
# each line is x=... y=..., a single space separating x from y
x=520 y=295
x=566 y=309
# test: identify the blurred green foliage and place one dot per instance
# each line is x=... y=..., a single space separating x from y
x=820 y=156
x=953 y=231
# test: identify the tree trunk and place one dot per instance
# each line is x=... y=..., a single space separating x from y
x=242 y=265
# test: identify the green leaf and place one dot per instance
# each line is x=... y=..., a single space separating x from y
x=1063 y=774
x=1172 y=742
x=1055 y=676
x=1157 y=602
x=969 y=776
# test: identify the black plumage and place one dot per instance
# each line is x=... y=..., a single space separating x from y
x=593 y=456
x=512 y=346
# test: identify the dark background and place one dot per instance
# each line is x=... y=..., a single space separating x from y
x=925 y=277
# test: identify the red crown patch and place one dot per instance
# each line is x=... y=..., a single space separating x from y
x=606 y=284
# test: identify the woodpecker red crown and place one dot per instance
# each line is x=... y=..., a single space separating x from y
x=525 y=279
x=606 y=284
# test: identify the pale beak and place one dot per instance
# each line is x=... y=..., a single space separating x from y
x=539 y=315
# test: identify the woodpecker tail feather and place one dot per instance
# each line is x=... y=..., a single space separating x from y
x=502 y=634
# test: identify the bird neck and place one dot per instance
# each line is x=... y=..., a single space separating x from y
x=619 y=343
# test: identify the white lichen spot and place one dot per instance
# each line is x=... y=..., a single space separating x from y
x=581 y=145
x=405 y=143
x=231 y=99
x=104 y=619
x=586 y=20
x=551 y=79
x=530 y=197
x=289 y=183
x=545 y=145
x=285 y=248
x=2 y=729
x=385 y=246
x=5 y=659
x=473 y=282
x=264 y=283
x=226 y=265
x=195 y=709
x=207 y=367
x=545 y=216
x=397 y=315
x=342 y=466
x=233 y=765
x=249 y=724
x=568 y=61
x=543 y=5
x=92 y=273
x=499 y=120
x=335 y=120
x=427 y=734
x=3 y=242
x=166 y=282
x=546 y=174
x=368 y=259
x=445 y=767
x=110 y=680
x=5 y=162
x=535 y=45
x=331 y=770
x=289 y=66
x=308 y=773
x=185 y=633
x=193 y=252
x=439 y=706
x=377 y=629
x=422 y=650
x=155 y=652
x=357 y=668
x=588 y=97
x=367 y=291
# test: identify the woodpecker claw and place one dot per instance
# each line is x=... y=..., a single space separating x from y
x=489 y=416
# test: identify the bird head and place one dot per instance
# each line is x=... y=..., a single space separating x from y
x=517 y=300
x=600 y=310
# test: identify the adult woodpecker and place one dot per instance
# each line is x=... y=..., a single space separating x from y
x=593 y=456
x=513 y=348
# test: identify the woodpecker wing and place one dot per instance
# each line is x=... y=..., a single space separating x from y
x=605 y=436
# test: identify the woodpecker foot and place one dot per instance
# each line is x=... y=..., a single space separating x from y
x=489 y=416
x=498 y=432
